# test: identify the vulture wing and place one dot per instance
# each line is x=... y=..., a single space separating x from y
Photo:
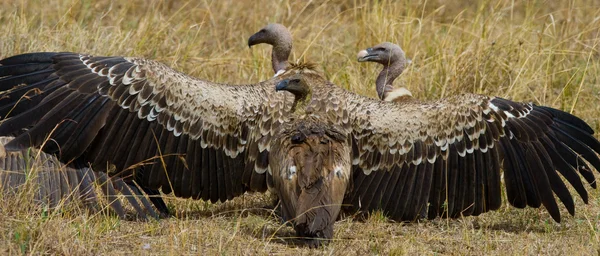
x=444 y=158
x=138 y=118
x=54 y=183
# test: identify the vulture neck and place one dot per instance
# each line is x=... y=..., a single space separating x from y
x=301 y=100
x=385 y=80
x=280 y=54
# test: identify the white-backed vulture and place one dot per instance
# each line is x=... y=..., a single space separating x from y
x=55 y=183
x=313 y=175
x=213 y=141
x=394 y=61
x=280 y=38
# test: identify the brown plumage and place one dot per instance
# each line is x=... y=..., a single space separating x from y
x=56 y=183
x=215 y=141
x=280 y=38
x=394 y=61
x=313 y=169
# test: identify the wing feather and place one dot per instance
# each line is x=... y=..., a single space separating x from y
x=396 y=210
x=214 y=176
x=405 y=196
x=57 y=184
x=426 y=190
x=176 y=175
x=206 y=173
x=479 y=188
x=200 y=177
x=118 y=112
x=437 y=194
x=372 y=195
x=526 y=173
x=469 y=187
x=189 y=167
x=452 y=180
x=461 y=183
x=557 y=185
x=416 y=199
x=493 y=178
x=387 y=194
x=158 y=177
x=574 y=160
x=449 y=153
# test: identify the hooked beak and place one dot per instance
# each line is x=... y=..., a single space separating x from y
x=282 y=85
x=253 y=40
x=366 y=55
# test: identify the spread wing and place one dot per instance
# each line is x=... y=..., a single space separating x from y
x=54 y=183
x=138 y=118
x=444 y=158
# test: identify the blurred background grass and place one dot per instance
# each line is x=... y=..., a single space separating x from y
x=540 y=51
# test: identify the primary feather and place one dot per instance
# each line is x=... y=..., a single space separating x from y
x=55 y=184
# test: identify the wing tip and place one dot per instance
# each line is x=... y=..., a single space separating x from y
x=29 y=58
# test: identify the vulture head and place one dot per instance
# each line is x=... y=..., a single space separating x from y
x=280 y=38
x=313 y=175
x=394 y=61
x=301 y=90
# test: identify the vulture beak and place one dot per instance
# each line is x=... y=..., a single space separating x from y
x=254 y=40
x=282 y=85
x=367 y=55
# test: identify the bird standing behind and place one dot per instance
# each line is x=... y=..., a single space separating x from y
x=394 y=61
x=280 y=38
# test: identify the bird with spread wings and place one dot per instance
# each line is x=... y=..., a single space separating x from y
x=139 y=119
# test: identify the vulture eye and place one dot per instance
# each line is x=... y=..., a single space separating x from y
x=298 y=138
x=295 y=80
x=379 y=49
x=262 y=31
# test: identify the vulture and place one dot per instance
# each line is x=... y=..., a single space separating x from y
x=313 y=143
x=280 y=38
x=56 y=183
x=313 y=174
x=394 y=61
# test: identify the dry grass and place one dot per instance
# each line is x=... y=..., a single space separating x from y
x=540 y=51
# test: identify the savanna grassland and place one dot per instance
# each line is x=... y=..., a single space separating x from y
x=546 y=52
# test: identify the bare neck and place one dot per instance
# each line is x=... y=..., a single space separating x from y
x=279 y=56
x=385 y=80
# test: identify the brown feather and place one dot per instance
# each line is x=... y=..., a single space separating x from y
x=199 y=175
x=191 y=170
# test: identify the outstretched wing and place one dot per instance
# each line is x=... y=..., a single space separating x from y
x=54 y=183
x=139 y=118
x=444 y=158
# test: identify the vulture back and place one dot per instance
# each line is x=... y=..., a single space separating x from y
x=312 y=174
